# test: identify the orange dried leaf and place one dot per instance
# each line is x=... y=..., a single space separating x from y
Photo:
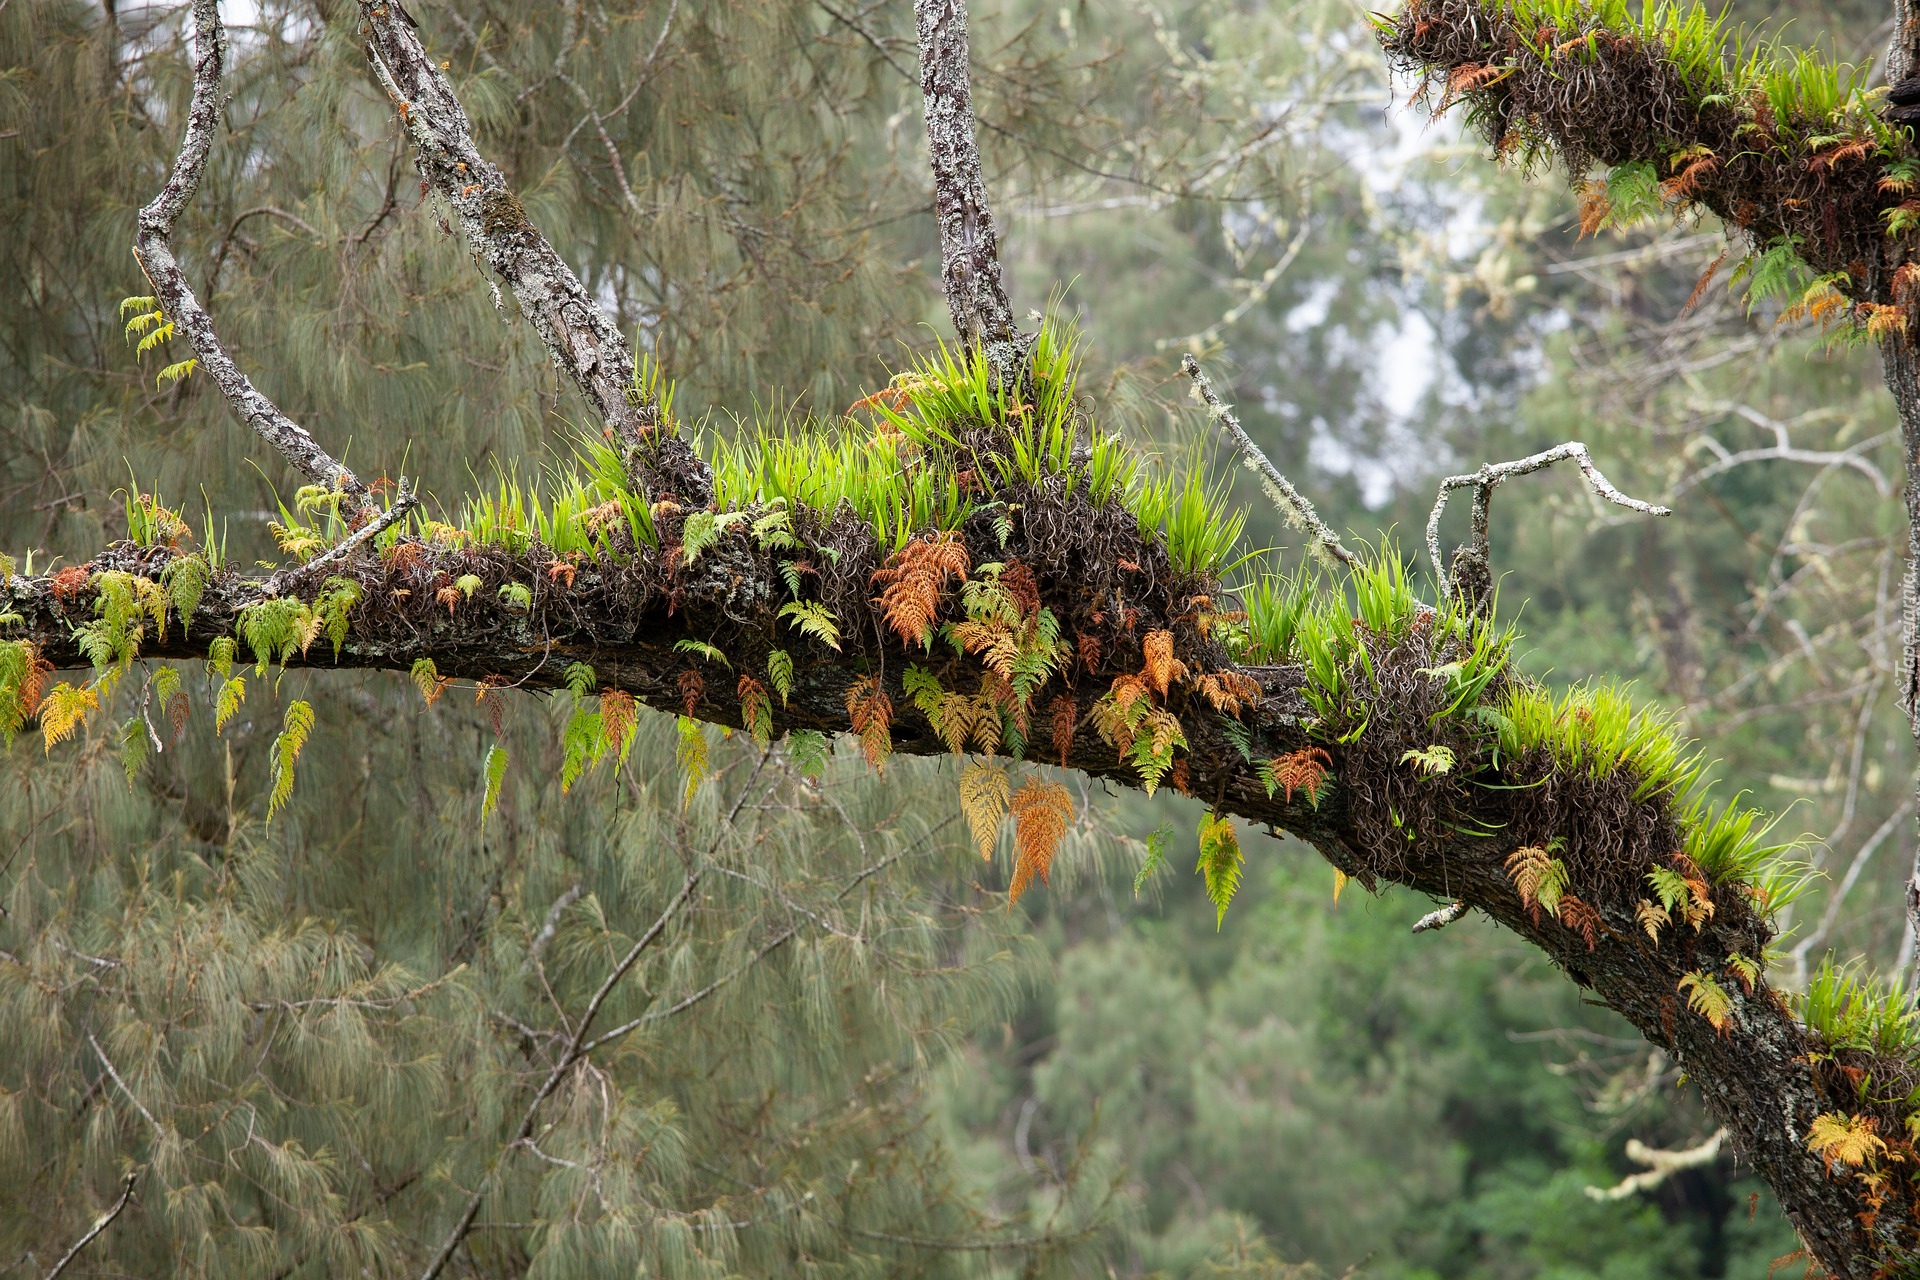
x=871 y=712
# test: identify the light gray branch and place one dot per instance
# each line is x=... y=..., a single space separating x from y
x=405 y=500
x=1440 y=919
x=1294 y=507
x=100 y=1224
x=153 y=247
x=577 y=332
x=1490 y=475
x=969 y=248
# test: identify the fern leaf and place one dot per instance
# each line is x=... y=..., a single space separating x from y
x=1653 y=918
x=1220 y=863
x=134 y=748
x=756 y=710
x=493 y=771
x=1845 y=1140
x=983 y=798
x=1433 y=761
x=704 y=650
x=871 y=712
x=1162 y=668
x=1707 y=998
x=64 y=710
x=692 y=754
x=780 y=672
x=1156 y=857
x=580 y=679
x=178 y=371
x=428 y=680
x=295 y=729
x=810 y=618
x=220 y=656
x=619 y=721
x=809 y=750
x=1539 y=877
x=1042 y=813
x=227 y=703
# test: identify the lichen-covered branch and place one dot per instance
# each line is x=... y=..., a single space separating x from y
x=1294 y=507
x=578 y=333
x=1401 y=744
x=153 y=247
x=1470 y=571
x=969 y=247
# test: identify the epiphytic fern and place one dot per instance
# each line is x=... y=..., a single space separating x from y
x=1581 y=918
x=1155 y=859
x=1161 y=668
x=619 y=720
x=1707 y=998
x=1539 y=877
x=1220 y=862
x=23 y=675
x=1746 y=970
x=983 y=799
x=809 y=750
x=693 y=687
x=1065 y=716
x=1845 y=1140
x=1433 y=761
x=64 y=710
x=580 y=679
x=871 y=712
x=1042 y=812
x=692 y=753
x=916 y=577
x=780 y=672
x=1227 y=691
x=756 y=709
x=1653 y=918
x=1303 y=770
x=134 y=748
x=428 y=680
x=704 y=649
x=1687 y=896
x=294 y=731
x=493 y=771
x=185 y=580
x=336 y=600
x=227 y=703
x=812 y=619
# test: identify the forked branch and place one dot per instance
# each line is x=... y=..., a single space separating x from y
x=969 y=248
x=1470 y=558
x=581 y=337
x=153 y=247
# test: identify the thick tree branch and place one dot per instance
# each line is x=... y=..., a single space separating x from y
x=578 y=333
x=1381 y=819
x=153 y=247
x=969 y=248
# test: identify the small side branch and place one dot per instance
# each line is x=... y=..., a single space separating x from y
x=969 y=248
x=153 y=247
x=577 y=332
x=405 y=500
x=100 y=1224
x=1471 y=556
x=1440 y=919
x=1294 y=507
x=1661 y=1165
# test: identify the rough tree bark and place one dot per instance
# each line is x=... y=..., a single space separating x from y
x=1377 y=819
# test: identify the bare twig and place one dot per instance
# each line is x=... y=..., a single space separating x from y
x=153 y=247
x=576 y=330
x=969 y=248
x=101 y=1223
x=1489 y=476
x=139 y=1106
x=1661 y=1165
x=405 y=500
x=1293 y=505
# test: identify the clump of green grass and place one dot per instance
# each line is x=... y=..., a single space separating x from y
x=1596 y=729
x=514 y=514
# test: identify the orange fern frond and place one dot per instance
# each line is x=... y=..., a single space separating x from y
x=1303 y=770
x=1581 y=918
x=1162 y=668
x=1228 y=691
x=915 y=579
x=1065 y=715
x=692 y=688
x=871 y=711
x=1042 y=813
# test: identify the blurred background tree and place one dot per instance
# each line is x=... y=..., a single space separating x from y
x=849 y=1058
